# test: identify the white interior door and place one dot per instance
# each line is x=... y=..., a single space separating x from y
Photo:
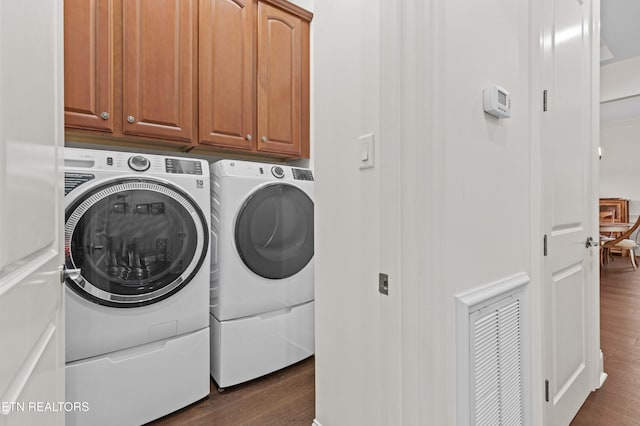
x=570 y=284
x=31 y=139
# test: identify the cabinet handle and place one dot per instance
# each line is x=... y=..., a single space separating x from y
x=131 y=119
x=248 y=137
x=104 y=115
x=264 y=139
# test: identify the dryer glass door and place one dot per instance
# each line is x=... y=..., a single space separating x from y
x=274 y=231
x=137 y=242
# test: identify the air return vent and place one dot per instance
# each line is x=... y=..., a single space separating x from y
x=491 y=360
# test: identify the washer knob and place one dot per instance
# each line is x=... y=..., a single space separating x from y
x=277 y=171
x=139 y=163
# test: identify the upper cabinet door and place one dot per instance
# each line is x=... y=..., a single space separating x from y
x=88 y=64
x=159 y=53
x=226 y=73
x=279 y=81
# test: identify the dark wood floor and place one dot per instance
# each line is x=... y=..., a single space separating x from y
x=617 y=403
x=286 y=397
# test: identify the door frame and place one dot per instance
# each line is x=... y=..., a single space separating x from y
x=598 y=375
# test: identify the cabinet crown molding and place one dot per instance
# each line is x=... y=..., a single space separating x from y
x=291 y=8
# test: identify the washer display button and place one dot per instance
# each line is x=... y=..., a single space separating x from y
x=187 y=167
x=139 y=163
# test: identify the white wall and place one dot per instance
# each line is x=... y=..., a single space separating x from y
x=305 y=4
x=620 y=141
x=620 y=79
x=620 y=163
x=483 y=187
x=462 y=179
x=346 y=79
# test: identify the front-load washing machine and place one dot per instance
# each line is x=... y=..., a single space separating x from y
x=137 y=308
x=262 y=309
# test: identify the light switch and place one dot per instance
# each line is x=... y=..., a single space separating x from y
x=364 y=156
x=366 y=145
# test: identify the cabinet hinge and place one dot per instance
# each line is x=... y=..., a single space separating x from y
x=544 y=100
x=546 y=390
x=544 y=249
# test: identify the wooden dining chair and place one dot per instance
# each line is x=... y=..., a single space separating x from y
x=623 y=242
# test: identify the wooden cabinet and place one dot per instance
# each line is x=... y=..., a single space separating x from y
x=159 y=92
x=227 y=73
x=254 y=76
x=216 y=75
x=614 y=210
x=88 y=64
x=279 y=81
x=144 y=87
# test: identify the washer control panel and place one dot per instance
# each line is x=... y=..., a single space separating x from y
x=79 y=160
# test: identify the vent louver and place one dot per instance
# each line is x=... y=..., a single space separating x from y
x=496 y=357
x=490 y=359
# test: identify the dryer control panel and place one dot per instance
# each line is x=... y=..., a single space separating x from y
x=302 y=174
x=268 y=172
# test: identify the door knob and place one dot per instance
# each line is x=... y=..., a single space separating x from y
x=591 y=242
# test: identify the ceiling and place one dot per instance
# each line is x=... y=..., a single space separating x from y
x=619 y=40
x=619 y=30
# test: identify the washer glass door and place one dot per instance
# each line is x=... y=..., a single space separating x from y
x=274 y=231
x=136 y=241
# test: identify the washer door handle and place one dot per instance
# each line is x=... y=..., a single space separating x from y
x=72 y=274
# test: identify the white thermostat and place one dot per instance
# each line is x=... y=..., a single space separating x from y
x=496 y=101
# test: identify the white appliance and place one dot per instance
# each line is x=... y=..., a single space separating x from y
x=137 y=337
x=262 y=310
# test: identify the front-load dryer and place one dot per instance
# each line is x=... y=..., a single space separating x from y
x=262 y=236
x=137 y=312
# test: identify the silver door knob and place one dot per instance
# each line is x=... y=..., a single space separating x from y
x=131 y=119
x=72 y=274
x=591 y=242
x=264 y=139
x=248 y=137
x=104 y=115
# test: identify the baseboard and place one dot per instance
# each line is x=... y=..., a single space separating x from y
x=603 y=378
x=603 y=375
x=315 y=423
